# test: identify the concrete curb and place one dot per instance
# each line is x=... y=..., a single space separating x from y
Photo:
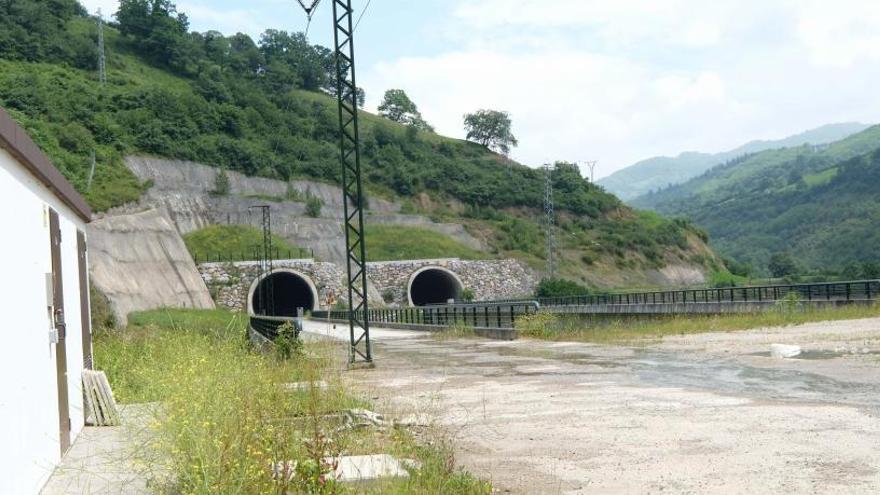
x=487 y=333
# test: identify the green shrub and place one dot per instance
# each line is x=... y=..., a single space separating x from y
x=467 y=295
x=313 y=206
x=558 y=287
x=221 y=183
x=288 y=343
x=589 y=258
x=789 y=304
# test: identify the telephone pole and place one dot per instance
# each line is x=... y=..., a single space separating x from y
x=549 y=222
x=102 y=60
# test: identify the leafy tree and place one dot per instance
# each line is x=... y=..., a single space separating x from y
x=782 y=265
x=35 y=30
x=491 y=129
x=398 y=107
x=159 y=30
x=134 y=18
x=870 y=270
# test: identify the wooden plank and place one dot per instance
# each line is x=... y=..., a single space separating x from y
x=100 y=399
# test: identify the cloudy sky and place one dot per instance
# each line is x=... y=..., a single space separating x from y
x=598 y=80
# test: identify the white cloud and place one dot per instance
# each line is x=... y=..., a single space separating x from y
x=621 y=81
x=224 y=20
x=841 y=33
x=565 y=105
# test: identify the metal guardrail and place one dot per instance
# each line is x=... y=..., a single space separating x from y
x=268 y=326
x=861 y=290
x=477 y=315
x=277 y=254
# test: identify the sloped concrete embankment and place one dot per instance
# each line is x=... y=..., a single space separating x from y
x=140 y=262
x=184 y=190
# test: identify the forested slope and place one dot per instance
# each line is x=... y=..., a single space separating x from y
x=819 y=204
x=266 y=108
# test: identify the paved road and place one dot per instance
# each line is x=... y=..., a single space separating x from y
x=539 y=417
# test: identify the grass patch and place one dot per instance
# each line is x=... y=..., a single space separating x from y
x=821 y=178
x=225 y=417
x=547 y=326
x=457 y=330
x=239 y=242
x=391 y=242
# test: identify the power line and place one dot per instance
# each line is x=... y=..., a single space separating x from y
x=310 y=12
x=366 y=7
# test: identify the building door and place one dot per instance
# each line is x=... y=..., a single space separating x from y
x=85 y=317
x=61 y=329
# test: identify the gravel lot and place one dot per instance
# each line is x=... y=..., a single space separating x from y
x=709 y=413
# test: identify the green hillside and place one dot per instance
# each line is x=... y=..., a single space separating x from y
x=266 y=109
x=389 y=243
x=661 y=172
x=818 y=204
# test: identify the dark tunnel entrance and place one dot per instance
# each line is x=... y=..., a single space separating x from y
x=434 y=286
x=290 y=291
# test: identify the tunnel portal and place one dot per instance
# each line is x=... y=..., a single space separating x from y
x=290 y=291
x=433 y=286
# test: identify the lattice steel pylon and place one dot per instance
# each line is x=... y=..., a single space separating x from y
x=267 y=290
x=352 y=185
x=592 y=165
x=102 y=59
x=549 y=222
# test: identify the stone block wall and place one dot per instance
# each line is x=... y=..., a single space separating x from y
x=488 y=279
x=230 y=283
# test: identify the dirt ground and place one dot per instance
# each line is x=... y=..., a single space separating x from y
x=710 y=413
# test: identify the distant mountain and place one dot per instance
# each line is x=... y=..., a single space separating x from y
x=821 y=204
x=661 y=172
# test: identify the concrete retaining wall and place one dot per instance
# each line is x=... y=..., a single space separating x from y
x=140 y=262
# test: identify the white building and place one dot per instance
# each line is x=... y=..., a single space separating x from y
x=44 y=312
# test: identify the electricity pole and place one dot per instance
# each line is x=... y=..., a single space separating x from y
x=549 y=222
x=267 y=294
x=592 y=165
x=352 y=184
